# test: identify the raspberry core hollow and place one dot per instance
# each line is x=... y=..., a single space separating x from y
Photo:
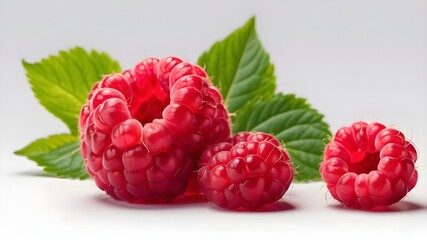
x=142 y=131
x=369 y=165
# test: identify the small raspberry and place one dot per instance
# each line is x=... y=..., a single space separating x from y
x=143 y=130
x=247 y=173
x=369 y=165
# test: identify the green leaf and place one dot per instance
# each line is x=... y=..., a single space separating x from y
x=295 y=123
x=57 y=154
x=61 y=83
x=240 y=67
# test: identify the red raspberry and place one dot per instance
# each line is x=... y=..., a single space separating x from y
x=369 y=165
x=141 y=131
x=248 y=173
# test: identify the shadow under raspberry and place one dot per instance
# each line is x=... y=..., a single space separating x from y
x=190 y=201
x=278 y=206
x=180 y=202
x=402 y=206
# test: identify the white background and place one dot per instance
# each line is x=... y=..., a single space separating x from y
x=353 y=60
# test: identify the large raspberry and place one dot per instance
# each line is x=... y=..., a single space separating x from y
x=142 y=131
x=369 y=165
x=247 y=173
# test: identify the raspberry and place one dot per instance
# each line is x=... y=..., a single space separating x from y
x=143 y=130
x=248 y=172
x=369 y=165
